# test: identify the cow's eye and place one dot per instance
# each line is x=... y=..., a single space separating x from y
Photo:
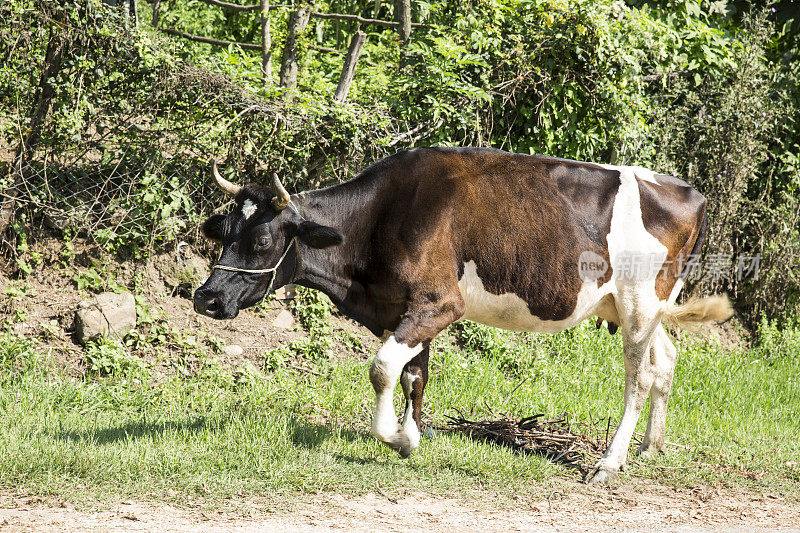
x=263 y=241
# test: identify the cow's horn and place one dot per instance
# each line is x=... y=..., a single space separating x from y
x=281 y=199
x=227 y=187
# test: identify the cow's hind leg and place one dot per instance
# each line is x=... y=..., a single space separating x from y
x=640 y=319
x=663 y=357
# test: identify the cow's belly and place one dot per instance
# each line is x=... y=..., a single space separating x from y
x=509 y=311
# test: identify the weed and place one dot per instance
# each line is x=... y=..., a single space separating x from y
x=775 y=342
x=16 y=290
x=311 y=349
x=313 y=310
x=109 y=356
x=18 y=356
x=49 y=330
x=97 y=278
x=276 y=359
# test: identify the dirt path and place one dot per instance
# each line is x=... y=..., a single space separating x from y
x=571 y=507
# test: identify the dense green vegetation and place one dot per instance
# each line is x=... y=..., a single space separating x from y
x=122 y=127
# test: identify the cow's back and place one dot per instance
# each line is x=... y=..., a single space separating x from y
x=515 y=224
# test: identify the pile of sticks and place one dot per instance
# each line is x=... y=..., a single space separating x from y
x=576 y=445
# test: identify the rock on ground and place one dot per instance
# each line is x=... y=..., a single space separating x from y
x=107 y=314
x=284 y=320
x=233 y=350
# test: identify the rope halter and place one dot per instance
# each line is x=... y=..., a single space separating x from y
x=260 y=270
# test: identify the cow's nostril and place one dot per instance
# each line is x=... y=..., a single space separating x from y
x=206 y=305
x=212 y=306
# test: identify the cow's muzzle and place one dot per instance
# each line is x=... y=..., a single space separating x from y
x=208 y=304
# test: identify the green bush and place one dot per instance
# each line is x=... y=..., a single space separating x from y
x=775 y=342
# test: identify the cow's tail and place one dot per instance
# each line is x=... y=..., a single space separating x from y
x=697 y=311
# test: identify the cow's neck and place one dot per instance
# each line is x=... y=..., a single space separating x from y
x=333 y=270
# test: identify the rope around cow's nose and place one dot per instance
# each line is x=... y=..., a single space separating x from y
x=260 y=270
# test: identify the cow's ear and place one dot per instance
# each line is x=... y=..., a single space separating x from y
x=318 y=236
x=212 y=228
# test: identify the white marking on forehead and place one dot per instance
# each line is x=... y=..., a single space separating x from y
x=642 y=173
x=248 y=209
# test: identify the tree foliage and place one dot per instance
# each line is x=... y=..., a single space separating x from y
x=688 y=88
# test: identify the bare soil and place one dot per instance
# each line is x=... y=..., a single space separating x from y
x=50 y=299
x=564 y=506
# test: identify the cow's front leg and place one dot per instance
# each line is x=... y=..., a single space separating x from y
x=410 y=340
x=383 y=373
x=413 y=380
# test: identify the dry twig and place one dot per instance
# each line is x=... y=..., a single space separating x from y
x=576 y=445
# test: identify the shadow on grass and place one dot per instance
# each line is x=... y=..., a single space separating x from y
x=304 y=434
x=137 y=430
x=309 y=435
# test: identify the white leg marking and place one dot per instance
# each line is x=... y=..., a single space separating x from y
x=385 y=370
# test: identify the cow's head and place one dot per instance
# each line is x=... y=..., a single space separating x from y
x=261 y=241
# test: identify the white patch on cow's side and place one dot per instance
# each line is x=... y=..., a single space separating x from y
x=636 y=256
x=644 y=174
x=509 y=311
x=390 y=360
x=248 y=209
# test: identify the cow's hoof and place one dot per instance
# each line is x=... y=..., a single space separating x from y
x=405 y=451
x=649 y=453
x=401 y=444
x=601 y=474
x=399 y=441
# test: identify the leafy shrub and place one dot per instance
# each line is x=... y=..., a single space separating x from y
x=775 y=342
x=313 y=310
x=512 y=354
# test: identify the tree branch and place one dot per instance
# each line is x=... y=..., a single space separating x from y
x=237 y=7
x=209 y=40
x=362 y=20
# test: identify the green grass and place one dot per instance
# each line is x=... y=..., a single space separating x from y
x=221 y=433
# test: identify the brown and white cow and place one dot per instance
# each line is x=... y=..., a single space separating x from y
x=430 y=236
